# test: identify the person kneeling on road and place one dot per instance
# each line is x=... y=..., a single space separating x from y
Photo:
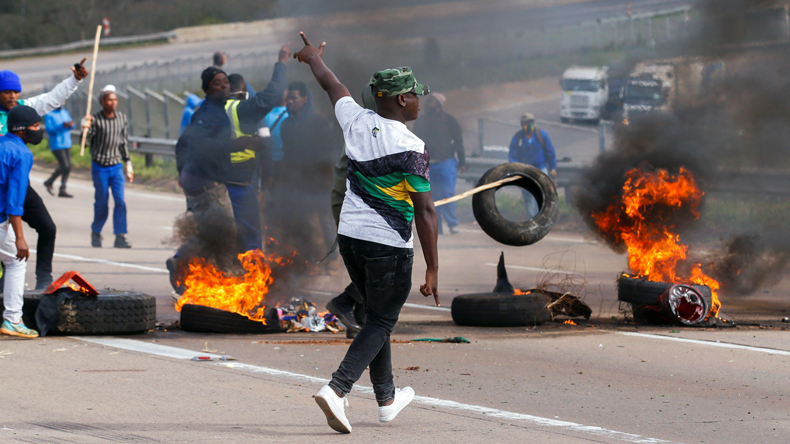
x=388 y=186
x=16 y=160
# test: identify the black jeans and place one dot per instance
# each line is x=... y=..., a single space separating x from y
x=36 y=215
x=64 y=168
x=382 y=274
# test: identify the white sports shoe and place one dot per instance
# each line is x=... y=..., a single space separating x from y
x=333 y=407
x=402 y=398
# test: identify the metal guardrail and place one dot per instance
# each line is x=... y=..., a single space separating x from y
x=43 y=50
x=141 y=145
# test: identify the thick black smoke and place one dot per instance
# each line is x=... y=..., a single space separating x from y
x=748 y=126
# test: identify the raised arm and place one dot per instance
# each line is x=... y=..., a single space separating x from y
x=326 y=78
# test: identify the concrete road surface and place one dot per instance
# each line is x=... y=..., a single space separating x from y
x=599 y=382
x=35 y=71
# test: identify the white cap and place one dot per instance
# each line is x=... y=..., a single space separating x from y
x=108 y=88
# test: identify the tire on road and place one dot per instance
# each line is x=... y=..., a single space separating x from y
x=507 y=232
x=644 y=292
x=110 y=313
x=500 y=310
x=201 y=319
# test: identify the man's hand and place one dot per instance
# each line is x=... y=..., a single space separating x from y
x=86 y=122
x=430 y=285
x=82 y=72
x=462 y=169
x=22 y=251
x=554 y=174
x=309 y=51
x=129 y=171
x=68 y=125
x=248 y=143
x=285 y=53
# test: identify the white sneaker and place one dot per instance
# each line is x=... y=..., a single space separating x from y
x=402 y=398
x=334 y=408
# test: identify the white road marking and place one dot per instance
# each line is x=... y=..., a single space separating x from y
x=425 y=307
x=770 y=351
x=578 y=240
x=180 y=353
x=519 y=267
x=106 y=262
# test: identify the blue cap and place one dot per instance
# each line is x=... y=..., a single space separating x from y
x=9 y=81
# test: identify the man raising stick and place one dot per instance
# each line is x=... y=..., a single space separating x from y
x=388 y=186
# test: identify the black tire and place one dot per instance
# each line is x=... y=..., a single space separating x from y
x=109 y=313
x=201 y=319
x=644 y=292
x=517 y=234
x=500 y=310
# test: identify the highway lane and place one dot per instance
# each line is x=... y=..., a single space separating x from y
x=35 y=71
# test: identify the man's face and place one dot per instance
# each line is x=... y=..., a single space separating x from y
x=411 y=108
x=219 y=87
x=8 y=99
x=241 y=93
x=528 y=125
x=294 y=101
x=110 y=102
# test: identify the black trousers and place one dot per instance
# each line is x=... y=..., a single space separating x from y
x=382 y=274
x=63 y=170
x=36 y=215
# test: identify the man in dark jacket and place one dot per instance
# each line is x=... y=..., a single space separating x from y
x=442 y=136
x=309 y=152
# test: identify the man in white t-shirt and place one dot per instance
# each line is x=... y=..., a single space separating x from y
x=388 y=186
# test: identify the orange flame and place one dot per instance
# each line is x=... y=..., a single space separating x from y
x=518 y=292
x=210 y=287
x=569 y=322
x=654 y=251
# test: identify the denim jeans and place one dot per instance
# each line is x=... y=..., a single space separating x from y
x=382 y=274
x=14 y=276
x=106 y=179
x=530 y=204
x=247 y=215
x=444 y=175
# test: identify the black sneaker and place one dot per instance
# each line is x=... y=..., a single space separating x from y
x=95 y=239
x=121 y=242
x=50 y=188
x=63 y=193
x=345 y=316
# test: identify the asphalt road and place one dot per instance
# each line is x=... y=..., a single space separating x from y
x=600 y=382
x=35 y=71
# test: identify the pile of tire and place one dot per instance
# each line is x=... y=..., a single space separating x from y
x=644 y=296
x=500 y=309
x=110 y=313
x=507 y=232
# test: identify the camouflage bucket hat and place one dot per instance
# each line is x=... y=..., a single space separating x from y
x=397 y=81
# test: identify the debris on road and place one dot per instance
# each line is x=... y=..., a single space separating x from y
x=412 y=368
x=455 y=340
x=302 y=315
x=324 y=342
x=210 y=358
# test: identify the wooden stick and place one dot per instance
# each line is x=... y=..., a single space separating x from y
x=476 y=190
x=90 y=87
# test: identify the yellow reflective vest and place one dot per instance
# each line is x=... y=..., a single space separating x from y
x=231 y=108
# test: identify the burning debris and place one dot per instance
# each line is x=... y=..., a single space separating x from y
x=643 y=220
x=301 y=315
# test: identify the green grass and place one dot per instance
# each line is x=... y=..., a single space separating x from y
x=162 y=173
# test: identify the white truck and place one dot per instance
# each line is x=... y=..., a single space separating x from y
x=585 y=91
x=668 y=86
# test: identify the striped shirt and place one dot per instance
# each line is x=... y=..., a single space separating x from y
x=108 y=139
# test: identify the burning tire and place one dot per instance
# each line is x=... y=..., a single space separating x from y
x=517 y=233
x=109 y=313
x=198 y=318
x=500 y=310
x=644 y=292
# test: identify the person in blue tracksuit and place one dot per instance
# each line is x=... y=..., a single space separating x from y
x=59 y=124
x=193 y=102
x=532 y=146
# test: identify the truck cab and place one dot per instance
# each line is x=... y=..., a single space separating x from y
x=585 y=91
x=644 y=94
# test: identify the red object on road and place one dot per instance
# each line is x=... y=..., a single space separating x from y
x=79 y=282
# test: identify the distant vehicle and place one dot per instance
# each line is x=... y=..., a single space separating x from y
x=585 y=92
x=669 y=86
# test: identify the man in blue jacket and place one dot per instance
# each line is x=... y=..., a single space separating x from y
x=24 y=126
x=532 y=146
x=59 y=124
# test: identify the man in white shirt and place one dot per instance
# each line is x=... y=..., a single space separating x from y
x=388 y=186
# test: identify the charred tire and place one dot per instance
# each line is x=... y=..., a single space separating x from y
x=201 y=319
x=644 y=292
x=500 y=310
x=109 y=313
x=516 y=233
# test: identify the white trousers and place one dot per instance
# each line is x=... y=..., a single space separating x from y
x=14 y=288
